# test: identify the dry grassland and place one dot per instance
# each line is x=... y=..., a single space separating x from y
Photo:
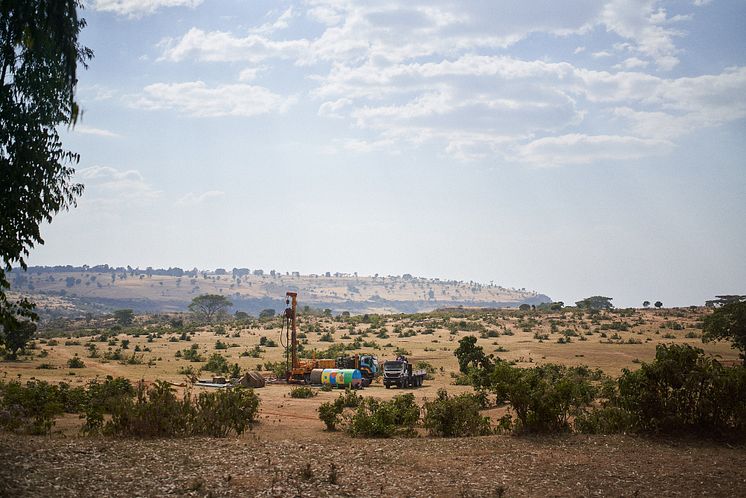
x=270 y=461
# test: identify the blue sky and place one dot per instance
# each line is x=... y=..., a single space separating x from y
x=573 y=148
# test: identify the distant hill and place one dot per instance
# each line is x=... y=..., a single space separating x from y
x=64 y=289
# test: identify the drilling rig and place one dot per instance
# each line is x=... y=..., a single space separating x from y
x=297 y=371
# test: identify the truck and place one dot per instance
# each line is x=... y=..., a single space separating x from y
x=399 y=372
x=366 y=363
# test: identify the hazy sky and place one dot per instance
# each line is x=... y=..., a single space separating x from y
x=569 y=147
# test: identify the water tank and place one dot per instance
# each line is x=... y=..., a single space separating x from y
x=341 y=377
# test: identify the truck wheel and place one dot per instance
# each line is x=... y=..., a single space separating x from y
x=388 y=386
x=307 y=379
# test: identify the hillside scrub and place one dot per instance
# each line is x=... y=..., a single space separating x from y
x=681 y=390
x=135 y=412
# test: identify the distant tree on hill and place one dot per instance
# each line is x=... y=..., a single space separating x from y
x=658 y=304
x=595 y=303
x=267 y=313
x=124 y=317
x=728 y=323
x=646 y=304
x=208 y=306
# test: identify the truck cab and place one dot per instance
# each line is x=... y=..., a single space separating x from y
x=399 y=373
x=366 y=363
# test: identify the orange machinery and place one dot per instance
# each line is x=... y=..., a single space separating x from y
x=298 y=371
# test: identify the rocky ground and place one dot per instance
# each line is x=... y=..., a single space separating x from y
x=337 y=465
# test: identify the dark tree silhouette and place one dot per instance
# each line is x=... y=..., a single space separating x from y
x=39 y=57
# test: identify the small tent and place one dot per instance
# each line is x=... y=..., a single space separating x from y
x=252 y=379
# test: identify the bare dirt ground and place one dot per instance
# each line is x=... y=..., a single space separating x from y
x=337 y=465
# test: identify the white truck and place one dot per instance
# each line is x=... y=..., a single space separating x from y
x=399 y=372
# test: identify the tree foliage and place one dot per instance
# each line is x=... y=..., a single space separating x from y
x=39 y=57
x=595 y=303
x=728 y=323
x=455 y=416
x=208 y=306
x=124 y=317
x=470 y=355
x=15 y=336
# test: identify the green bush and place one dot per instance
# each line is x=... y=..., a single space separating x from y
x=75 y=362
x=375 y=418
x=101 y=398
x=544 y=398
x=31 y=408
x=157 y=412
x=685 y=390
x=217 y=414
x=330 y=412
x=191 y=354
x=216 y=364
x=278 y=368
x=302 y=392
x=456 y=416
x=606 y=420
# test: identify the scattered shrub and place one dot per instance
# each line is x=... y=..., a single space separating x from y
x=375 y=418
x=685 y=390
x=606 y=420
x=157 y=412
x=330 y=412
x=75 y=362
x=216 y=364
x=455 y=416
x=544 y=398
x=31 y=408
x=302 y=392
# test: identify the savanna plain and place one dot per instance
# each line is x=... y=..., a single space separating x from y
x=287 y=450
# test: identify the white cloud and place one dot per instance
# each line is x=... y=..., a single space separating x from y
x=192 y=199
x=251 y=73
x=631 y=63
x=334 y=108
x=219 y=46
x=106 y=186
x=578 y=148
x=197 y=99
x=88 y=130
x=282 y=22
x=639 y=22
x=137 y=8
x=409 y=74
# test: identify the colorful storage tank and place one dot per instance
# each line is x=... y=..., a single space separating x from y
x=342 y=377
